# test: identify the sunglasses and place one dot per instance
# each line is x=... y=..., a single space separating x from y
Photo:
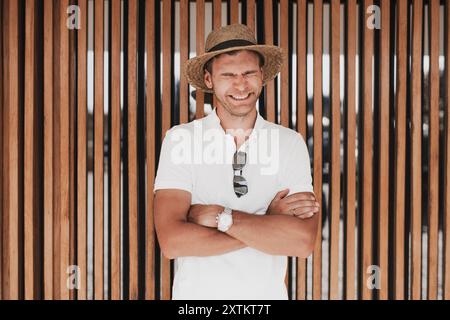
x=239 y=182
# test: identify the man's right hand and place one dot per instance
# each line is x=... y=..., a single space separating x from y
x=302 y=204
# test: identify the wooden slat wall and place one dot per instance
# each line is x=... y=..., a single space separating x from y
x=335 y=149
x=82 y=152
x=1 y=149
x=367 y=156
x=317 y=138
x=301 y=115
x=132 y=147
x=200 y=48
x=30 y=185
x=350 y=163
x=11 y=207
x=416 y=151
x=57 y=120
x=446 y=257
x=166 y=115
x=115 y=149
x=150 y=144
x=98 y=148
x=269 y=89
x=433 y=178
x=383 y=126
x=400 y=146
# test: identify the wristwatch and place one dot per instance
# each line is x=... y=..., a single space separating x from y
x=224 y=220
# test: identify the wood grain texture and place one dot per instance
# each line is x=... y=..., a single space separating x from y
x=301 y=115
x=416 y=151
x=132 y=147
x=30 y=161
x=433 y=178
x=151 y=149
x=98 y=148
x=335 y=150
x=400 y=146
x=82 y=152
x=350 y=165
x=383 y=126
x=269 y=90
x=166 y=110
x=115 y=150
x=446 y=267
x=367 y=156
x=317 y=170
x=200 y=48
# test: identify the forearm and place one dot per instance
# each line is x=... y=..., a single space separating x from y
x=275 y=234
x=189 y=239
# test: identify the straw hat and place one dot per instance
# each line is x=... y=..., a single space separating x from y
x=230 y=38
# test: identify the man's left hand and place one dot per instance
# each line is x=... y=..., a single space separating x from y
x=204 y=214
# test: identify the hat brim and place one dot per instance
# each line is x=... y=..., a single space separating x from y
x=273 y=60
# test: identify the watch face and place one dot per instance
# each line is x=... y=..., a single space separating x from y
x=225 y=221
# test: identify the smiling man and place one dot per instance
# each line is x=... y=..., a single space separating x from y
x=229 y=223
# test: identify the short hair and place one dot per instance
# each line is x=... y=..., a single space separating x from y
x=208 y=64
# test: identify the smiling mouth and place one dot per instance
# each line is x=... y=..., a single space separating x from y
x=240 y=98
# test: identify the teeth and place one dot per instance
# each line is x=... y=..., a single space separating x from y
x=240 y=98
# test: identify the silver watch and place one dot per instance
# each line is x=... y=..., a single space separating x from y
x=224 y=220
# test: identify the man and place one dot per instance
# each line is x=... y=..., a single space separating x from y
x=225 y=210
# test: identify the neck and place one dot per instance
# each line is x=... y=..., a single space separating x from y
x=236 y=123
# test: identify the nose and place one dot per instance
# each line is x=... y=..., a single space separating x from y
x=240 y=82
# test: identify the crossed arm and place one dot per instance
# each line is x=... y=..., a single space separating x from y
x=185 y=230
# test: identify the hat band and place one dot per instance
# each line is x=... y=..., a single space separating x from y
x=231 y=43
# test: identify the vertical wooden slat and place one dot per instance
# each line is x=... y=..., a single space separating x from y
x=446 y=284
x=317 y=175
x=72 y=148
x=56 y=155
x=335 y=149
x=400 y=146
x=115 y=149
x=11 y=149
x=98 y=149
x=81 y=151
x=151 y=149
x=367 y=155
x=48 y=149
x=301 y=115
x=269 y=91
x=234 y=11
x=350 y=195
x=184 y=56
x=63 y=155
x=251 y=14
x=132 y=146
x=433 y=178
x=416 y=151
x=217 y=14
x=29 y=154
x=167 y=101
x=200 y=47
x=1 y=148
x=383 y=211
x=217 y=23
x=284 y=43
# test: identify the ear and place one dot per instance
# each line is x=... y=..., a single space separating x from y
x=208 y=79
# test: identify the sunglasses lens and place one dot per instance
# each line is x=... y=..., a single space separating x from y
x=240 y=186
x=239 y=160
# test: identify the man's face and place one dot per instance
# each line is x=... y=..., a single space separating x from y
x=236 y=81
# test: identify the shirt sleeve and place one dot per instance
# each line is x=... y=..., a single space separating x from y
x=173 y=173
x=296 y=171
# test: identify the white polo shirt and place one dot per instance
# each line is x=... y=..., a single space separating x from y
x=197 y=157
